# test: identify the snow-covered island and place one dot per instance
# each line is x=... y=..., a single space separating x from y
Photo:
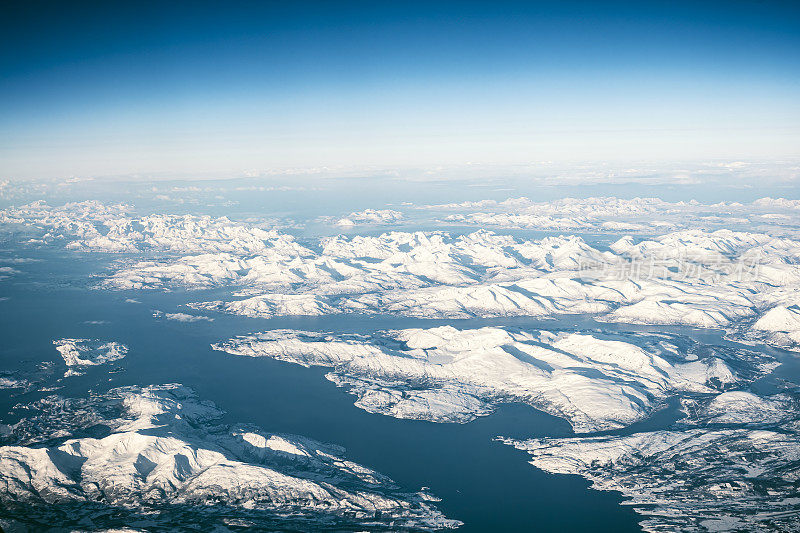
x=160 y=458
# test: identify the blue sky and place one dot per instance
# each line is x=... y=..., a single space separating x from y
x=99 y=89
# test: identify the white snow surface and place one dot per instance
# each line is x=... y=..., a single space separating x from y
x=639 y=215
x=712 y=279
x=370 y=216
x=166 y=453
x=718 y=280
x=781 y=325
x=730 y=463
x=444 y=374
x=182 y=317
x=739 y=408
x=94 y=226
x=92 y=219
x=80 y=353
x=13 y=383
x=693 y=480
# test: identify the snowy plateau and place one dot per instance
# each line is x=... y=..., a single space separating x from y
x=657 y=330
